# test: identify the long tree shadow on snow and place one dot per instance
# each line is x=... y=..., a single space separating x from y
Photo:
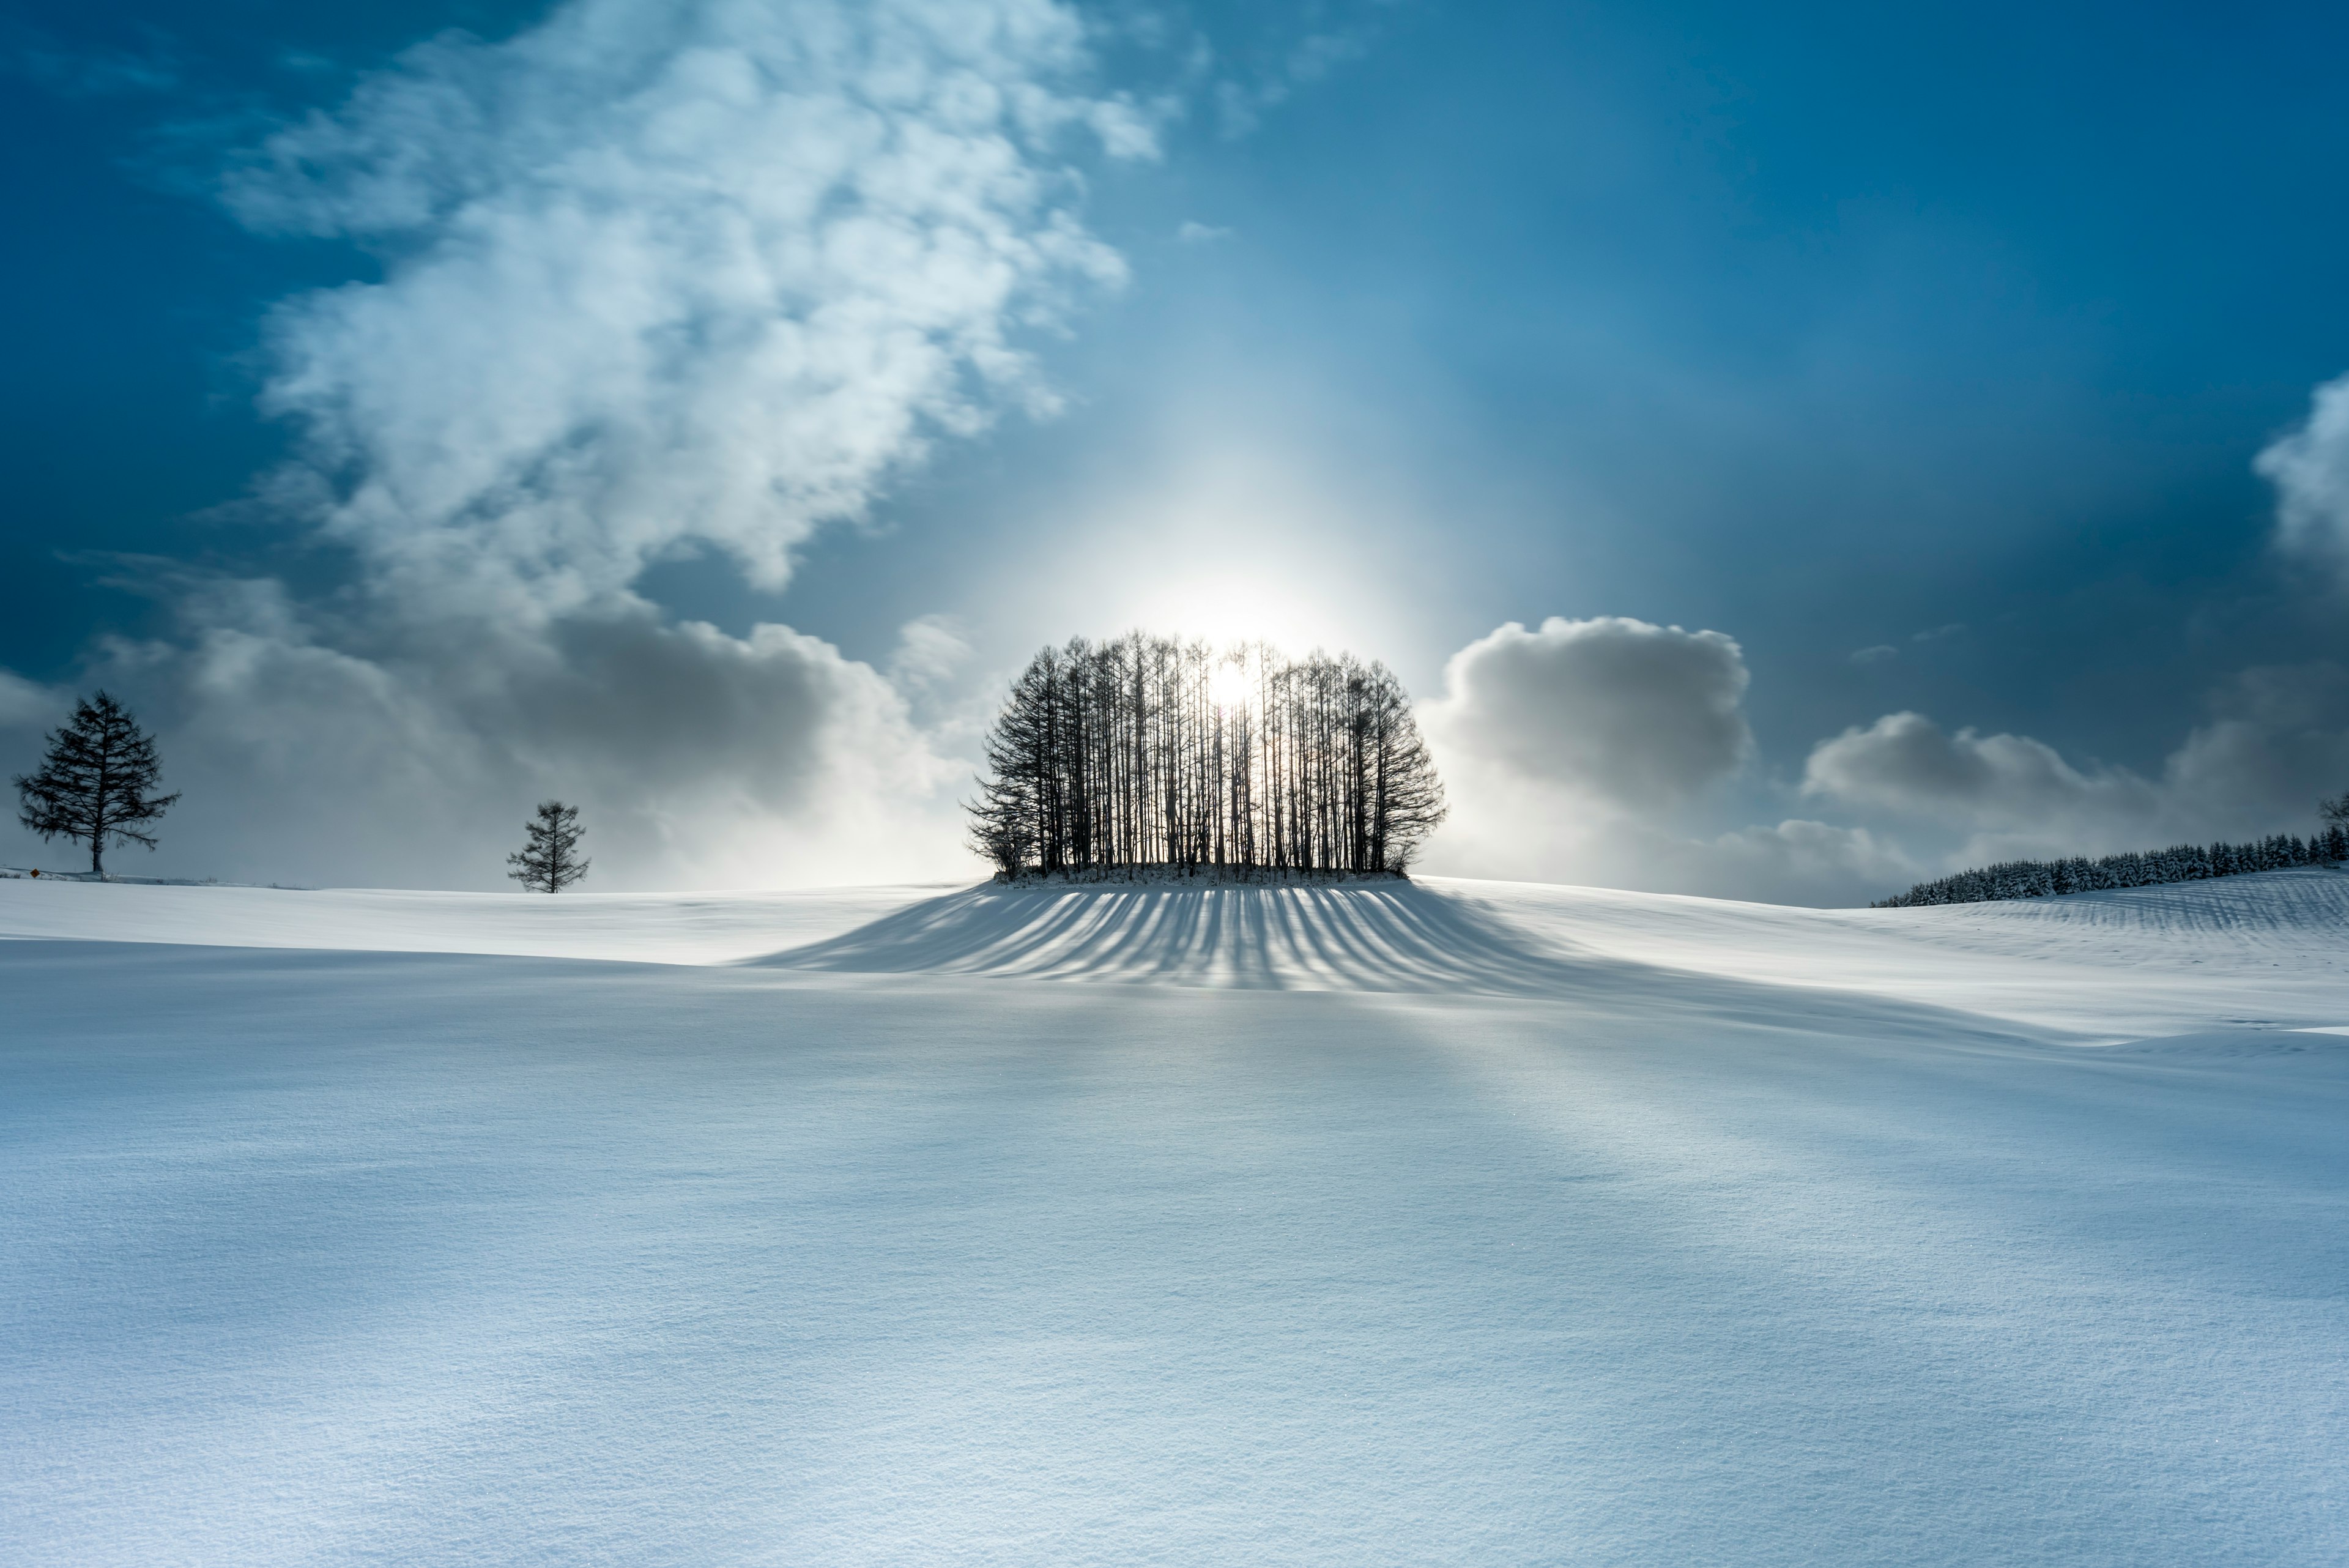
x=1379 y=937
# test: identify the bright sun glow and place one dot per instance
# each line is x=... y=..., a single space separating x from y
x=1254 y=562
x=1232 y=684
x=1227 y=613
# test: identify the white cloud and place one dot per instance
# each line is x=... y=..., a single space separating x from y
x=1192 y=233
x=655 y=278
x=2275 y=740
x=666 y=274
x=699 y=758
x=2309 y=466
x=1635 y=716
x=1568 y=751
x=931 y=652
x=1906 y=763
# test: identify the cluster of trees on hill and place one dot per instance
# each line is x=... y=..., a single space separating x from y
x=2181 y=862
x=1153 y=752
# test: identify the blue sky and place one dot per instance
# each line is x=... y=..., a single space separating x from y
x=1924 y=352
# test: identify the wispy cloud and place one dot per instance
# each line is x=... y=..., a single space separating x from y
x=667 y=273
x=1243 y=101
x=49 y=62
x=655 y=277
x=2309 y=466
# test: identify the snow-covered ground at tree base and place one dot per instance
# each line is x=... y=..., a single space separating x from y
x=1449 y=1223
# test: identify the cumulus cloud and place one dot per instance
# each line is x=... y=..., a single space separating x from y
x=1906 y=763
x=1568 y=751
x=1577 y=752
x=1610 y=709
x=655 y=278
x=2274 y=740
x=2309 y=466
x=701 y=758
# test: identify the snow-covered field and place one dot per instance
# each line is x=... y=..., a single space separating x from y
x=1459 y=1222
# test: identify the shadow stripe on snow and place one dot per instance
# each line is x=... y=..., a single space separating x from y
x=1391 y=938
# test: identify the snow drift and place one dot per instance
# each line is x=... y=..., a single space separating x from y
x=1460 y=1223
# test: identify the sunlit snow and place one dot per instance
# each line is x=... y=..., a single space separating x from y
x=1453 y=1223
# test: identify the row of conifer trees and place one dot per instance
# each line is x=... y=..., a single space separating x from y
x=2181 y=862
x=1150 y=751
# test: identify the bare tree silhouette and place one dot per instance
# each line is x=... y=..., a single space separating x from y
x=1147 y=751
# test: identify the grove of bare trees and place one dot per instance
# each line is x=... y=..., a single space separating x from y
x=1154 y=752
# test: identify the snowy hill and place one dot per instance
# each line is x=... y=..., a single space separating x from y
x=2266 y=951
x=1456 y=1222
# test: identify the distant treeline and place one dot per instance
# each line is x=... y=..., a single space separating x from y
x=2182 y=863
x=1151 y=752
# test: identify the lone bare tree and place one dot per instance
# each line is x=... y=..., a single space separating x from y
x=2333 y=811
x=551 y=862
x=93 y=785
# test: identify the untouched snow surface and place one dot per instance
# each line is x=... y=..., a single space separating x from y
x=1451 y=1223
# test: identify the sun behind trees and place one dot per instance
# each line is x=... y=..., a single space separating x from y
x=1148 y=751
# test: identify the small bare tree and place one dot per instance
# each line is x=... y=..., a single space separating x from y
x=551 y=862
x=93 y=785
